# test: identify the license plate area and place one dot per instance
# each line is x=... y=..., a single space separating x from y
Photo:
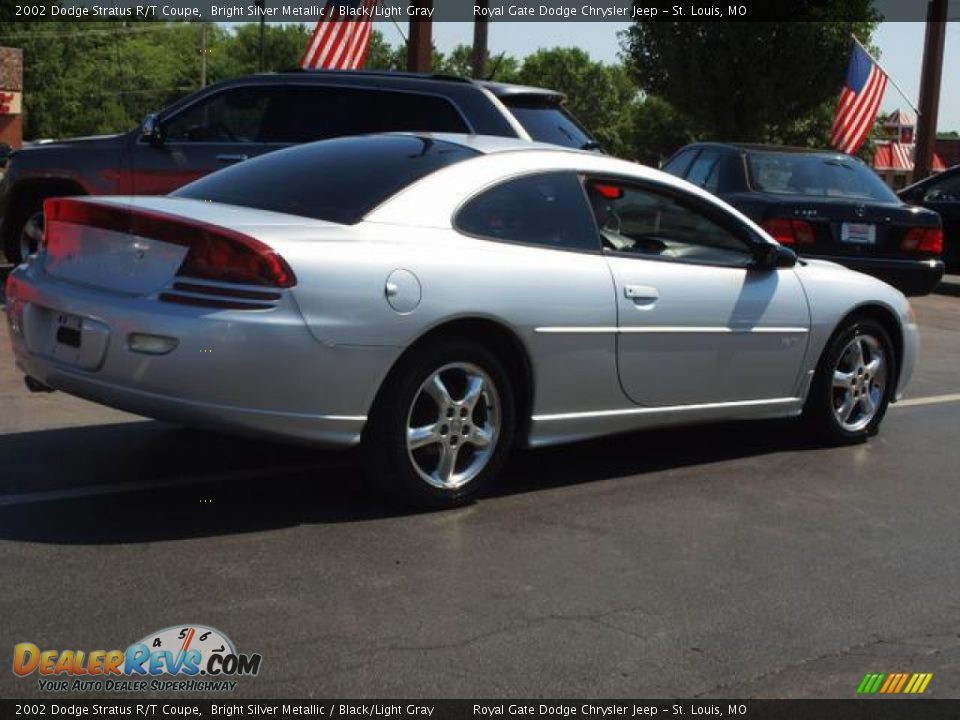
x=69 y=330
x=858 y=233
x=68 y=338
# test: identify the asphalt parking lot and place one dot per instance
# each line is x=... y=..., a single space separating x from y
x=730 y=560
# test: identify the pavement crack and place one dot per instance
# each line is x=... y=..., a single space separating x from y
x=855 y=649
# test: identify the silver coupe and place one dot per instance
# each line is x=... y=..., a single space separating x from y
x=440 y=299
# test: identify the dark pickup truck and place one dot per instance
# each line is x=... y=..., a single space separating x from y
x=248 y=116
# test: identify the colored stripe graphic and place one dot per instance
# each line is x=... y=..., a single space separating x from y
x=894 y=683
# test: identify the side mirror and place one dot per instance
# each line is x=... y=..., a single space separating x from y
x=770 y=257
x=151 y=131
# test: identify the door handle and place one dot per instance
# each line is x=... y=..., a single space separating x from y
x=641 y=294
x=228 y=157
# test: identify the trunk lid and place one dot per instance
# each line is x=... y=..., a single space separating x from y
x=843 y=227
x=137 y=246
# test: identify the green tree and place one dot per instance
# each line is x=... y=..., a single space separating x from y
x=459 y=62
x=656 y=131
x=383 y=56
x=283 y=47
x=601 y=96
x=749 y=81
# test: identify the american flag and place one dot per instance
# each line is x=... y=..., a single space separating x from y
x=859 y=102
x=341 y=38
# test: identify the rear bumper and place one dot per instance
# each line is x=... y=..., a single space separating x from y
x=911 y=277
x=259 y=373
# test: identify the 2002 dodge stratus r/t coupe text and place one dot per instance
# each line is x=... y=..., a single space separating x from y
x=441 y=298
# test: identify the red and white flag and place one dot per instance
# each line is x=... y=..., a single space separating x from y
x=340 y=40
x=859 y=102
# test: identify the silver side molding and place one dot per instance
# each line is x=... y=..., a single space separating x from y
x=666 y=409
x=665 y=329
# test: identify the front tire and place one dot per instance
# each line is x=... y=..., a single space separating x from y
x=853 y=383
x=442 y=426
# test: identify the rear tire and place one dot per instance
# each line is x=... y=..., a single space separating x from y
x=442 y=426
x=25 y=239
x=853 y=383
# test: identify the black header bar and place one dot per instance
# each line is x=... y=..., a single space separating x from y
x=498 y=10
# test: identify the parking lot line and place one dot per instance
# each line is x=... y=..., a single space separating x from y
x=929 y=400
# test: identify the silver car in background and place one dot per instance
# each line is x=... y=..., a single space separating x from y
x=442 y=298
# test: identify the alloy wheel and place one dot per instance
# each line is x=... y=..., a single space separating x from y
x=859 y=382
x=31 y=236
x=453 y=425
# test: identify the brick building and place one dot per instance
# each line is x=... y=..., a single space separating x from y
x=11 y=96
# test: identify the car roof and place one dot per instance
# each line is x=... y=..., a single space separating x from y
x=491 y=144
x=758 y=147
x=500 y=89
x=930 y=179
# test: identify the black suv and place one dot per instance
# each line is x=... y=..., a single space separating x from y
x=240 y=118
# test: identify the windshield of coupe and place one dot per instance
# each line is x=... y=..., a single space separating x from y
x=551 y=124
x=338 y=180
x=815 y=176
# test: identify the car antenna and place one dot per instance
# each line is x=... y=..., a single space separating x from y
x=496 y=65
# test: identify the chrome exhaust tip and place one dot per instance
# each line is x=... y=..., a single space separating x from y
x=34 y=385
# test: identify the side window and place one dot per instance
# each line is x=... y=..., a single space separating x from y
x=548 y=210
x=679 y=164
x=325 y=112
x=712 y=183
x=654 y=225
x=236 y=115
x=705 y=164
x=946 y=190
x=409 y=111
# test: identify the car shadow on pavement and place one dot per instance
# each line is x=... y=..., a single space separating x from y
x=146 y=481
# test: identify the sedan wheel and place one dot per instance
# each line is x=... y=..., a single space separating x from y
x=442 y=426
x=853 y=383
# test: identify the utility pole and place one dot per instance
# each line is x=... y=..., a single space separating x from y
x=930 y=78
x=480 y=40
x=261 y=65
x=203 y=54
x=420 y=44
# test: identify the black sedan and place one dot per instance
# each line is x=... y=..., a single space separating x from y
x=822 y=204
x=941 y=193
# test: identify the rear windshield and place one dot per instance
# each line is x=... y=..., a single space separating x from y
x=551 y=124
x=338 y=180
x=816 y=176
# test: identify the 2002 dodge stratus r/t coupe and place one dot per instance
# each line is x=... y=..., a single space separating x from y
x=439 y=298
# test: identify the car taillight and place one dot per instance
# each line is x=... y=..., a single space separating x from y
x=789 y=232
x=215 y=253
x=929 y=240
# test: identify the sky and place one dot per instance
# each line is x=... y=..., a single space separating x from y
x=901 y=50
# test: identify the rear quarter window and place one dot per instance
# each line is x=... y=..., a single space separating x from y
x=546 y=209
x=339 y=180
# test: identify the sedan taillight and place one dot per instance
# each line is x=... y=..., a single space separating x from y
x=787 y=231
x=927 y=240
x=215 y=253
